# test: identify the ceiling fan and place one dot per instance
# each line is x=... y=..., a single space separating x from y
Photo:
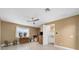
x=33 y=20
x=47 y=9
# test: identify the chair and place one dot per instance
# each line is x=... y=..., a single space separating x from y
x=6 y=43
x=15 y=42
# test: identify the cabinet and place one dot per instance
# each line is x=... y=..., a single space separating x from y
x=40 y=39
x=23 y=40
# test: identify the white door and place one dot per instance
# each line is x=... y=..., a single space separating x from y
x=45 y=34
x=52 y=33
x=48 y=34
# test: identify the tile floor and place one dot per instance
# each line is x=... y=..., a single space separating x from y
x=32 y=46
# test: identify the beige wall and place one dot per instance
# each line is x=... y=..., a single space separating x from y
x=34 y=31
x=0 y=31
x=41 y=28
x=67 y=32
x=9 y=31
x=77 y=31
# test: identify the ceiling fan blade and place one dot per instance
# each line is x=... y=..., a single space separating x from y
x=36 y=19
x=33 y=20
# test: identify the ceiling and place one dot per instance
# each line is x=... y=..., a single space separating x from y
x=21 y=15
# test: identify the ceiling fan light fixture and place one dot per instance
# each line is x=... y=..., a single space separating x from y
x=47 y=9
x=33 y=22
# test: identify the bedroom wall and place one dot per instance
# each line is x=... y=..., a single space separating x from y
x=66 y=32
x=9 y=31
x=77 y=31
x=0 y=31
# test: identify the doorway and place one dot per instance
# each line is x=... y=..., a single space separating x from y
x=49 y=34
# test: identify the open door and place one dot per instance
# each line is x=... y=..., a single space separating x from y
x=45 y=34
x=51 y=34
x=48 y=34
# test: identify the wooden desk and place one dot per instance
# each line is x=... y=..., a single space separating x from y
x=23 y=40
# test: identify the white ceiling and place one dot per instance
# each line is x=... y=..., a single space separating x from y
x=21 y=15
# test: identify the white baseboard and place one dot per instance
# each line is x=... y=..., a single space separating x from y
x=64 y=47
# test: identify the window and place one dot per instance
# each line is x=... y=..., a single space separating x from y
x=22 y=30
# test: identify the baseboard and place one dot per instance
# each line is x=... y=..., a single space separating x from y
x=64 y=47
